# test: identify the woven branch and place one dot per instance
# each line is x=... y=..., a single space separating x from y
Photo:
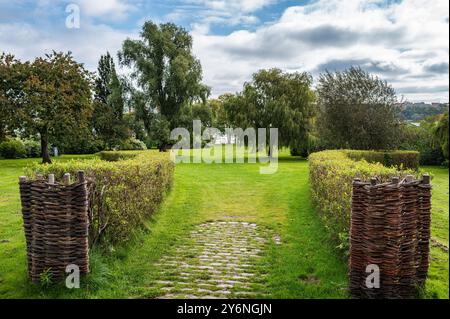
x=56 y=224
x=390 y=227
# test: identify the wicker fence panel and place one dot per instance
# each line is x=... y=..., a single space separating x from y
x=56 y=224
x=390 y=228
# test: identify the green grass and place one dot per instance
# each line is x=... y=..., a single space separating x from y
x=305 y=265
x=437 y=285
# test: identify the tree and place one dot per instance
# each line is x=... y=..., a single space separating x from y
x=13 y=74
x=274 y=99
x=166 y=71
x=420 y=138
x=440 y=133
x=357 y=110
x=219 y=115
x=53 y=97
x=108 y=122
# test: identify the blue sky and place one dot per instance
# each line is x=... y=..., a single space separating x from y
x=406 y=42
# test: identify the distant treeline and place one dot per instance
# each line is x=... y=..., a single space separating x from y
x=416 y=112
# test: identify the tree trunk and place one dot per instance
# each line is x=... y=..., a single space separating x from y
x=44 y=149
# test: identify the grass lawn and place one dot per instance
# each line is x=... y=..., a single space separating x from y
x=298 y=261
x=437 y=284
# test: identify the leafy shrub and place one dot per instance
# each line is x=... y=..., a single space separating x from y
x=331 y=178
x=32 y=148
x=421 y=139
x=114 y=156
x=12 y=149
x=399 y=159
x=126 y=192
x=312 y=144
x=132 y=144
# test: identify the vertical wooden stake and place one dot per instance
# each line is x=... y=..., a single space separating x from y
x=409 y=178
x=373 y=181
x=51 y=178
x=426 y=179
x=22 y=179
x=66 y=179
x=81 y=178
x=395 y=180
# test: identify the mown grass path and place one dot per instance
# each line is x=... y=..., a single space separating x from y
x=297 y=260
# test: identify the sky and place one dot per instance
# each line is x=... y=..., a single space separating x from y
x=405 y=42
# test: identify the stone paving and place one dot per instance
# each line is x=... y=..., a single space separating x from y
x=218 y=260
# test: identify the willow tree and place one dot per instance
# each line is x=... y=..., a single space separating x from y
x=274 y=99
x=166 y=71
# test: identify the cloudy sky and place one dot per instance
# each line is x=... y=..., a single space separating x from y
x=404 y=42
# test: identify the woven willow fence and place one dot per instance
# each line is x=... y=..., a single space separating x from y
x=55 y=218
x=390 y=228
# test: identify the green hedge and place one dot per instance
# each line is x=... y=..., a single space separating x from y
x=399 y=159
x=114 y=156
x=127 y=192
x=331 y=177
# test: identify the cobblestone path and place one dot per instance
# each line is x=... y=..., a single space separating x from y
x=218 y=260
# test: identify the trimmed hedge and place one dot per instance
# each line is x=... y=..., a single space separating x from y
x=399 y=159
x=126 y=192
x=331 y=178
x=114 y=156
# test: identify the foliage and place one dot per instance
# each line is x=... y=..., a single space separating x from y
x=420 y=138
x=356 y=110
x=218 y=112
x=46 y=278
x=12 y=148
x=82 y=143
x=32 y=147
x=126 y=191
x=166 y=71
x=419 y=111
x=311 y=145
x=51 y=96
x=132 y=144
x=399 y=159
x=202 y=112
x=13 y=74
x=114 y=156
x=440 y=132
x=274 y=99
x=136 y=125
x=108 y=122
x=160 y=132
x=331 y=177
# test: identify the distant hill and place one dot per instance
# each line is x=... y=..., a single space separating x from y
x=414 y=112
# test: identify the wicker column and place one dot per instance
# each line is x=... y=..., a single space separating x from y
x=390 y=228
x=55 y=218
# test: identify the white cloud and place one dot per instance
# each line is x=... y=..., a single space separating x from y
x=219 y=12
x=245 y=6
x=110 y=9
x=406 y=44
x=86 y=43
